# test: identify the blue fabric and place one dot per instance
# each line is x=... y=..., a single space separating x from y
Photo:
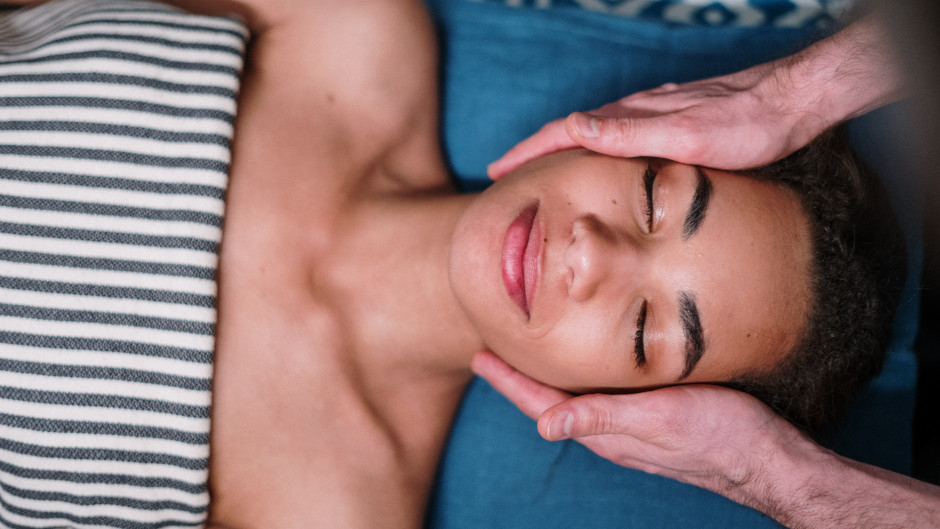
x=507 y=71
x=498 y=473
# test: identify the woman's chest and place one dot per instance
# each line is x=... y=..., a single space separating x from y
x=297 y=438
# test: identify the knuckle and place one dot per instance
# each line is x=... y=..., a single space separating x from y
x=624 y=128
x=616 y=133
x=600 y=418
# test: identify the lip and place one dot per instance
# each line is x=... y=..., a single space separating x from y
x=521 y=263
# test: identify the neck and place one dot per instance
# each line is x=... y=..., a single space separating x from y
x=395 y=294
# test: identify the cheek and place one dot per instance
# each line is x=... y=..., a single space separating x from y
x=577 y=353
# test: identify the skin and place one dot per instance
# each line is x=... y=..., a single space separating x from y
x=333 y=387
x=746 y=266
x=328 y=410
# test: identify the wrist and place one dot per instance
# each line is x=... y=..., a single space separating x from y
x=786 y=474
x=805 y=483
x=839 y=78
x=806 y=486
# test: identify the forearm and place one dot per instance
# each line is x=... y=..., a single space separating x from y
x=838 y=78
x=808 y=487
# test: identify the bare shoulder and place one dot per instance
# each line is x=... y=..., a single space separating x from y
x=368 y=64
x=354 y=78
x=369 y=54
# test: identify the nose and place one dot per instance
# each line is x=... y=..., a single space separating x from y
x=597 y=255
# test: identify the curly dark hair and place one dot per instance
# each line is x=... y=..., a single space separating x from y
x=857 y=273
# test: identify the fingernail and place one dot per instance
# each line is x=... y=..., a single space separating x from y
x=586 y=125
x=560 y=426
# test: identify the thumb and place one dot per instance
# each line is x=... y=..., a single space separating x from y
x=622 y=136
x=601 y=414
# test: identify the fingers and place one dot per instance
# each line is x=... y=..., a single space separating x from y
x=528 y=395
x=551 y=138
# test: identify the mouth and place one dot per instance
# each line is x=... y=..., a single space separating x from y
x=521 y=263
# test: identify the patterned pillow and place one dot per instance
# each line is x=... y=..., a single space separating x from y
x=743 y=13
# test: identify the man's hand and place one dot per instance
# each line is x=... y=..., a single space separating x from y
x=737 y=121
x=729 y=122
x=727 y=442
x=709 y=436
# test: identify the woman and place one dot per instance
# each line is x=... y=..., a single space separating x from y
x=354 y=286
x=534 y=274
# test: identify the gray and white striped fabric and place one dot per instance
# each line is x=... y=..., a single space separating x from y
x=116 y=119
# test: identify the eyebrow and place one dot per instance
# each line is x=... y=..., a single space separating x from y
x=696 y=213
x=694 y=337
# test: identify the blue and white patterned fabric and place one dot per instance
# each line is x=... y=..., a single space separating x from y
x=116 y=119
x=743 y=13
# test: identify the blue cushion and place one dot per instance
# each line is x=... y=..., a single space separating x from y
x=507 y=71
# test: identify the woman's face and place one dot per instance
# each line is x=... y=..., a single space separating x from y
x=589 y=272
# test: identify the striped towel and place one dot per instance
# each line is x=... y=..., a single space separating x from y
x=116 y=120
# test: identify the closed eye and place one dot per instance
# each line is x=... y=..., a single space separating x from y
x=649 y=177
x=638 y=349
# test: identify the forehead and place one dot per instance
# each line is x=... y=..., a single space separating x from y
x=751 y=261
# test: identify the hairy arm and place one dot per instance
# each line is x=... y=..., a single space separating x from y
x=837 y=79
x=814 y=488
